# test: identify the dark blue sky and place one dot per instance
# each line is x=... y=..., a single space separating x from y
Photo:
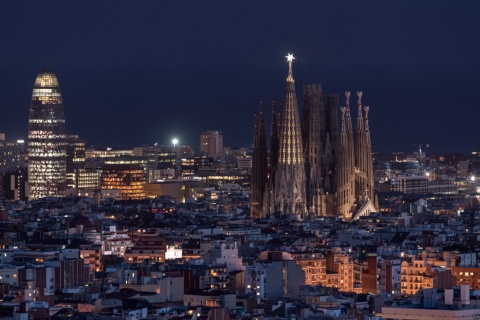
x=139 y=72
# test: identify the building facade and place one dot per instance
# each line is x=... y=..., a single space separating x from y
x=130 y=178
x=12 y=155
x=211 y=142
x=75 y=159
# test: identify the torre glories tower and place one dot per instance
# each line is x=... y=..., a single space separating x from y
x=46 y=139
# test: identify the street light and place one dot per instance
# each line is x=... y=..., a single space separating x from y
x=174 y=141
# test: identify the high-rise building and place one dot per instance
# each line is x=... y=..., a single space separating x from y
x=12 y=155
x=211 y=142
x=75 y=159
x=191 y=165
x=13 y=184
x=46 y=139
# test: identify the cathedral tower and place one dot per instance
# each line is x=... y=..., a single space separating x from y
x=313 y=115
x=319 y=168
x=259 y=168
x=346 y=165
x=369 y=161
x=360 y=161
x=290 y=176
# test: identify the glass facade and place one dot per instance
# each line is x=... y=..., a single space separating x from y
x=46 y=139
x=12 y=156
x=75 y=159
x=130 y=178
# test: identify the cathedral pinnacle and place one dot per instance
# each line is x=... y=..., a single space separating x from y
x=290 y=59
x=367 y=108
x=347 y=96
x=359 y=95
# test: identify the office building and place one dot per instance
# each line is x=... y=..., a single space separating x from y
x=75 y=159
x=211 y=142
x=46 y=139
x=130 y=178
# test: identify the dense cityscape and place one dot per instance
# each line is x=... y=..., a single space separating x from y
x=234 y=160
x=307 y=222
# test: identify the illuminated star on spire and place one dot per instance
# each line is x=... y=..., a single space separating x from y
x=290 y=58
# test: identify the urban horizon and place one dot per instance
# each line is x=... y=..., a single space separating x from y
x=137 y=75
x=192 y=138
x=149 y=174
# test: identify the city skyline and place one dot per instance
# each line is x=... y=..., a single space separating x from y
x=187 y=69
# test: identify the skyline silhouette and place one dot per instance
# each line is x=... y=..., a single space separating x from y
x=134 y=74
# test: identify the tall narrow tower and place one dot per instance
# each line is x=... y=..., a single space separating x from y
x=346 y=165
x=269 y=204
x=330 y=145
x=46 y=139
x=290 y=176
x=259 y=168
x=360 y=161
x=369 y=161
x=273 y=144
x=312 y=141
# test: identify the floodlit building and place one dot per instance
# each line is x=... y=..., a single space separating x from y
x=416 y=276
x=130 y=178
x=316 y=168
x=46 y=139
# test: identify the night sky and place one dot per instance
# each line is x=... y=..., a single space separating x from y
x=140 y=72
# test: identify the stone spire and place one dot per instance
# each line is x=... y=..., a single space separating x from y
x=330 y=144
x=259 y=165
x=273 y=143
x=360 y=161
x=290 y=176
x=346 y=165
x=312 y=141
x=369 y=159
x=269 y=205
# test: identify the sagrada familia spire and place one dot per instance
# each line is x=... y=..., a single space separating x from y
x=290 y=176
x=315 y=168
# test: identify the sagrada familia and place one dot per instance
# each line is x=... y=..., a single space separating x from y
x=314 y=167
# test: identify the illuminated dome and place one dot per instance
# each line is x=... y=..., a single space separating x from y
x=46 y=139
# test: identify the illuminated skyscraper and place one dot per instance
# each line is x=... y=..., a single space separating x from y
x=46 y=139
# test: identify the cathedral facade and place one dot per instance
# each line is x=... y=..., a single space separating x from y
x=317 y=165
